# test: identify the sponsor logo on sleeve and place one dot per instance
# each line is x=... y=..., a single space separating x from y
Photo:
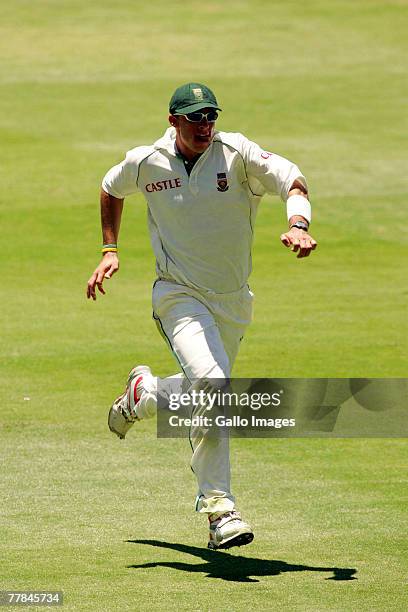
x=222 y=181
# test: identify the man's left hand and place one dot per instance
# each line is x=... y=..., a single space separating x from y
x=300 y=242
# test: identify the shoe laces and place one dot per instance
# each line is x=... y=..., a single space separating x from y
x=125 y=409
x=216 y=518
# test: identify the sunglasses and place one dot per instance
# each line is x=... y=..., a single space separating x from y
x=211 y=116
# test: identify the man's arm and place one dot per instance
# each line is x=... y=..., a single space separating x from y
x=111 y=214
x=300 y=241
x=279 y=176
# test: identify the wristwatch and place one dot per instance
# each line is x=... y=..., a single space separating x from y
x=301 y=225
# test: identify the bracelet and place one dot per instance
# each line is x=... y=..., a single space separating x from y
x=300 y=225
x=110 y=248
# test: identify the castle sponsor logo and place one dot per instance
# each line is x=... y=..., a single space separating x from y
x=162 y=185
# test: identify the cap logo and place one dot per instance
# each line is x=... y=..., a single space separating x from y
x=198 y=93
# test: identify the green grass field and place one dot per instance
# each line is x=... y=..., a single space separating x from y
x=111 y=523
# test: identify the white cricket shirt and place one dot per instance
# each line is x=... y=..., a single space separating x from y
x=201 y=226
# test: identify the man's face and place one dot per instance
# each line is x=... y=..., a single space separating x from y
x=193 y=138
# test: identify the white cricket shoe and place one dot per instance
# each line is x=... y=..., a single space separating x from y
x=123 y=412
x=227 y=530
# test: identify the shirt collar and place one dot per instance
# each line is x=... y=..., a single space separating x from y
x=168 y=141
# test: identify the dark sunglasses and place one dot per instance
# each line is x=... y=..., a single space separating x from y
x=211 y=116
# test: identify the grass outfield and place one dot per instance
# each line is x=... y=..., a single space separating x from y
x=80 y=83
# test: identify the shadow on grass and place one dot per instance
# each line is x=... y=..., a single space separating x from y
x=220 y=564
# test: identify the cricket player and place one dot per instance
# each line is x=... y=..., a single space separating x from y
x=202 y=188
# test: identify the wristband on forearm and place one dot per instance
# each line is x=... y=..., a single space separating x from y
x=109 y=248
x=297 y=205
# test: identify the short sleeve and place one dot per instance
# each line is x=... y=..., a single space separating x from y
x=275 y=173
x=121 y=180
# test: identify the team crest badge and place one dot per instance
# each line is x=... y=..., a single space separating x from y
x=222 y=181
x=198 y=93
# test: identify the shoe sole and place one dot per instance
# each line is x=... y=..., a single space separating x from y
x=120 y=435
x=137 y=371
x=111 y=417
x=240 y=540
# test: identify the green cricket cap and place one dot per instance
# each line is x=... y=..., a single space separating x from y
x=191 y=97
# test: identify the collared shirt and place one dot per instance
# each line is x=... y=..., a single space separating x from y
x=188 y=163
x=201 y=224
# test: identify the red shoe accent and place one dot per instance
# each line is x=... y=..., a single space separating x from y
x=135 y=397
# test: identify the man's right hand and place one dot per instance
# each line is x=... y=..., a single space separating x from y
x=108 y=266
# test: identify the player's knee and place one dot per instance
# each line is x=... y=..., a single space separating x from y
x=215 y=370
x=215 y=381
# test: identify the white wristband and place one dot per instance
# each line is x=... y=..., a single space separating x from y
x=298 y=205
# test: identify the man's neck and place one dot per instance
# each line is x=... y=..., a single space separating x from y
x=185 y=152
x=188 y=163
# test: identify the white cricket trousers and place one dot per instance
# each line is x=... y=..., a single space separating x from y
x=204 y=330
